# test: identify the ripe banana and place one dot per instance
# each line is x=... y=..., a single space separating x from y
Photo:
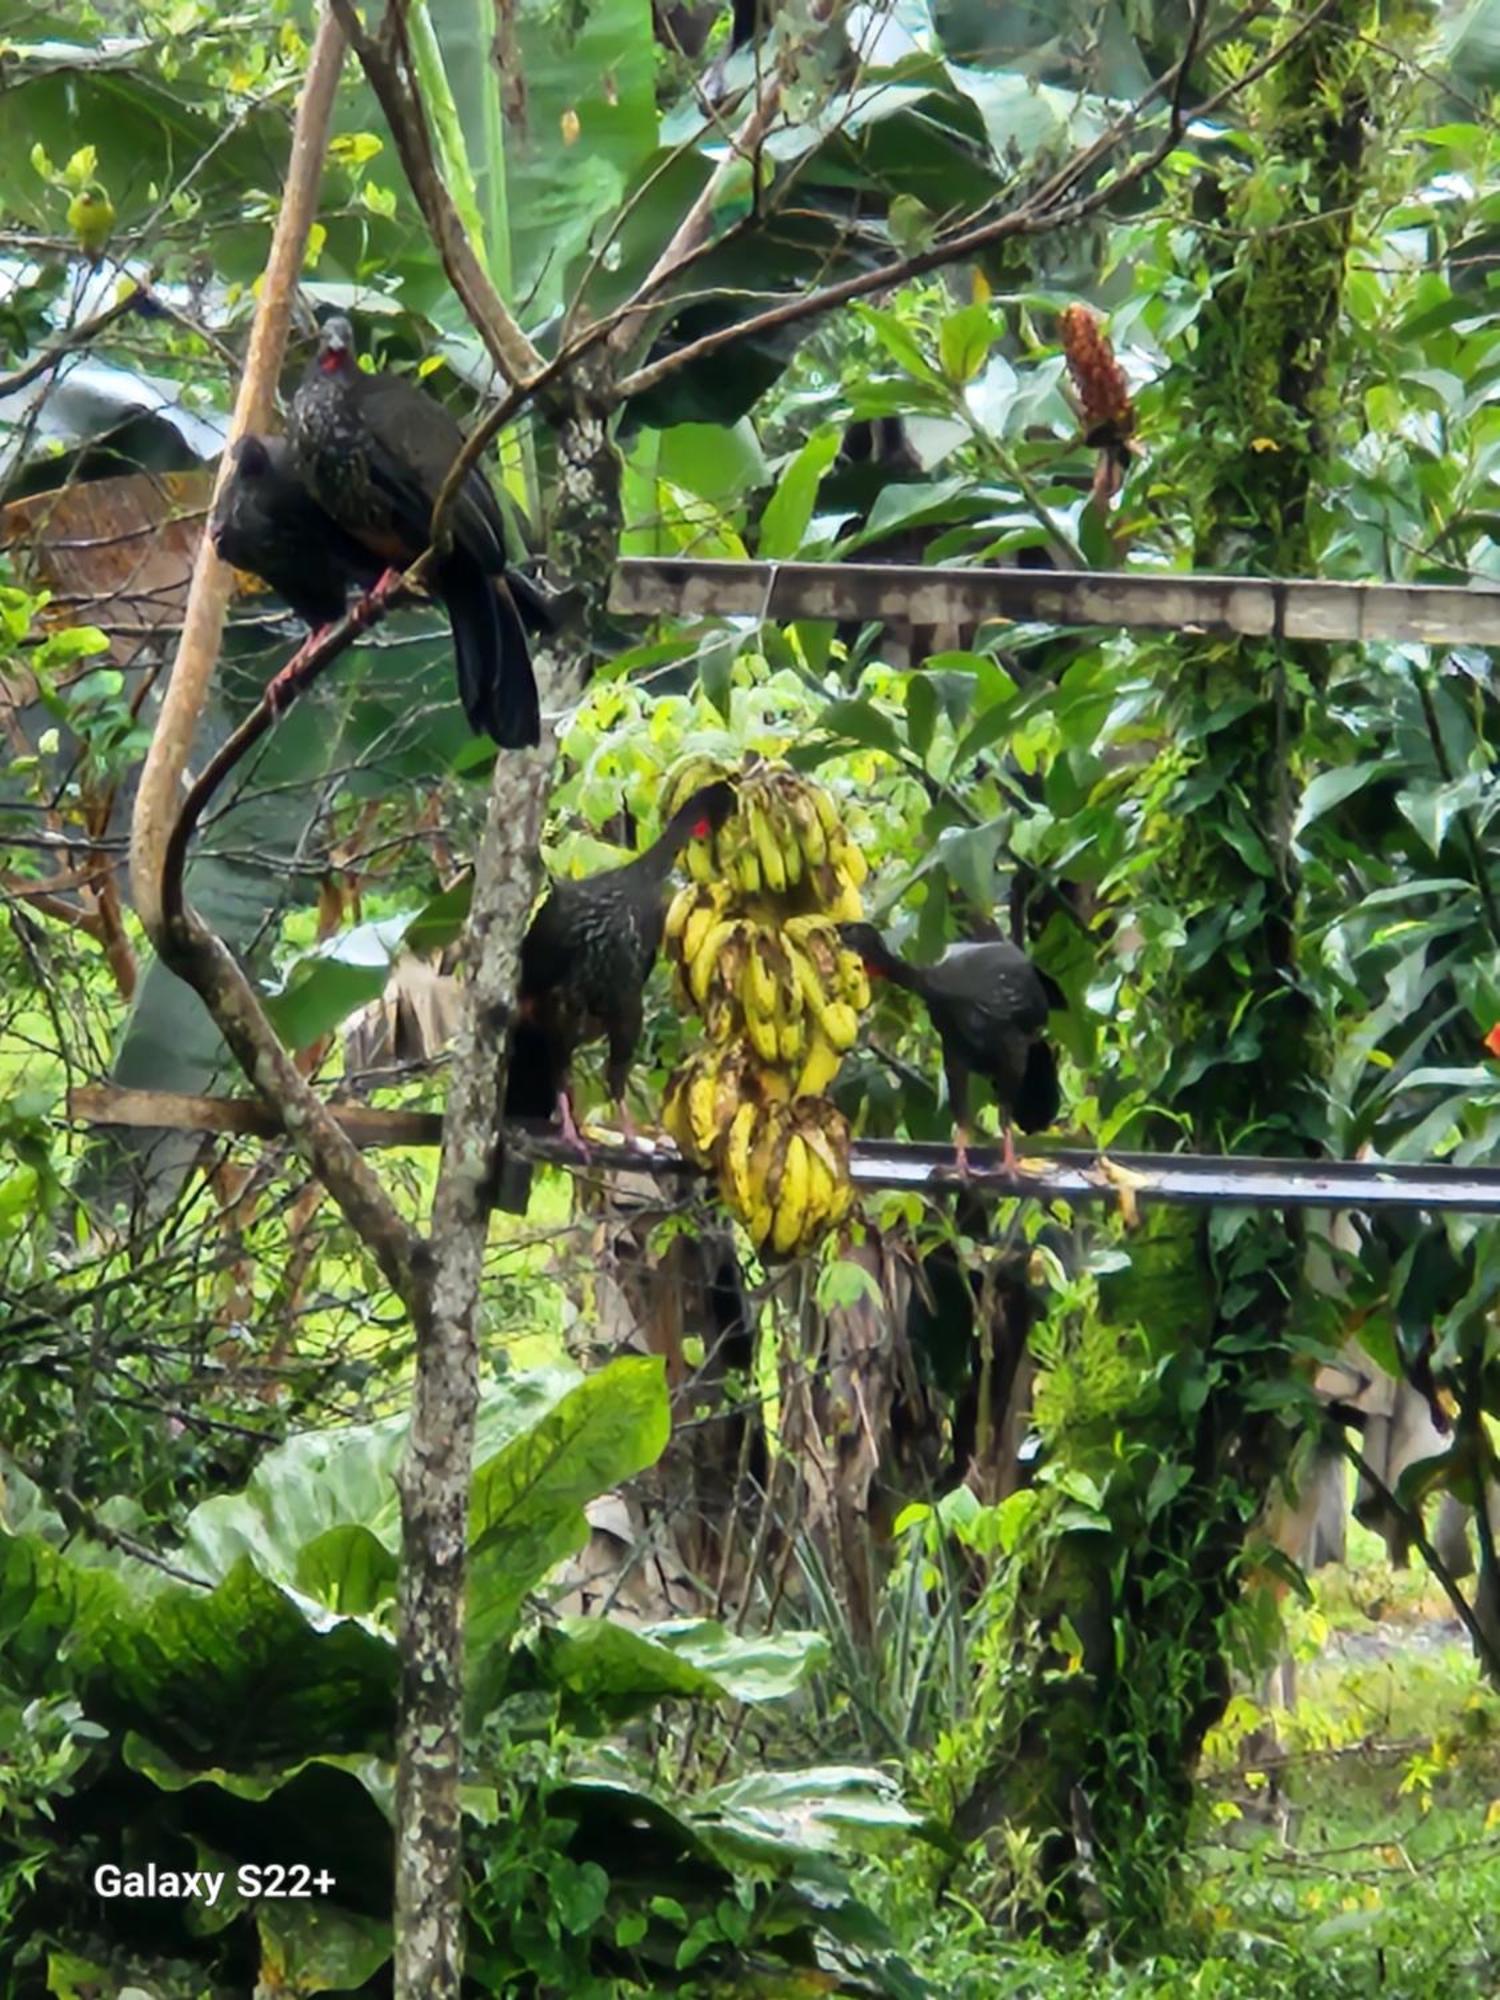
x=847 y=906
x=820 y=1067
x=704 y=911
x=702 y=1104
x=760 y=1021
x=678 y=911
x=772 y=862
x=849 y=859
x=836 y=1018
x=810 y=834
x=791 y=1198
x=688 y=775
x=761 y=977
x=854 y=981
x=791 y=1027
x=788 y=839
x=737 y=1144
x=701 y=966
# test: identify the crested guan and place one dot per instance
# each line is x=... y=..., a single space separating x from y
x=584 y=966
x=374 y=450
x=989 y=1004
x=265 y=521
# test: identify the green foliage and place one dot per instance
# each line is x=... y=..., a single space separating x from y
x=257 y=1698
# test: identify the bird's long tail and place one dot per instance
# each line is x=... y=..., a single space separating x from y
x=495 y=681
x=1039 y=1099
x=531 y=1086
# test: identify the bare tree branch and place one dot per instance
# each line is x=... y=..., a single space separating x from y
x=386 y=61
x=208 y=594
x=314 y=660
x=1048 y=207
x=693 y=231
x=67 y=343
x=183 y=941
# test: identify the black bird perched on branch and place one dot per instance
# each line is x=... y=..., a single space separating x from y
x=989 y=1004
x=374 y=451
x=265 y=521
x=584 y=966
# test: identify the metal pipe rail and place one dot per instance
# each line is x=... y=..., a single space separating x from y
x=1194 y=1179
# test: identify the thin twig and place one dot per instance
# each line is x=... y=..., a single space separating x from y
x=69 y=342
x=315 y=660
x=1411 y=1520
x=1045 y=210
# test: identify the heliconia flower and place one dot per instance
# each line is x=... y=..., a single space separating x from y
x=1103 y=392
x=1492 y=1040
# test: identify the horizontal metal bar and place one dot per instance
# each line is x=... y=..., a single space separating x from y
x=1155 y=600
x=1197 y=1179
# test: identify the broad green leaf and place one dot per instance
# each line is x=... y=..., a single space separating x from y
x=921 y=713
x=443 y=122
x=790 y=508
x=527 y=1511
x=1331 y=788
x=899 y=343
x=964 y=341
x=315 y=1947
x=860 y=722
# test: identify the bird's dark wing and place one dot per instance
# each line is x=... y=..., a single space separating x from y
x=266 y=522
x=995 y=981
x=546 y=950
x=412 y=442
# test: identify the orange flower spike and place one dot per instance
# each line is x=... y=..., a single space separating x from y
x=1103 y=392
x=1492 y=1040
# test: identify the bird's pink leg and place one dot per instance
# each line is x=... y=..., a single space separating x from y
x=283 y=685
x=961 y=1152
x=570 y=1126
x=1009 y=1164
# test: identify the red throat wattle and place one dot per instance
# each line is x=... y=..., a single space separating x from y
x=701 y=829
x=873 y=970
x=331 y=360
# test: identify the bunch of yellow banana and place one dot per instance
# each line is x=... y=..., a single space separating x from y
x=753 y=937
x=795 y=994
x=786 y=843
x=784 y=1169
x=707 y=1092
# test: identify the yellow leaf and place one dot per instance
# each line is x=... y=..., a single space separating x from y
x=571 y=125
x=1264 y=444
x=355 y=149
x=979 y=288
x=317 y=236
x=82 y=167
